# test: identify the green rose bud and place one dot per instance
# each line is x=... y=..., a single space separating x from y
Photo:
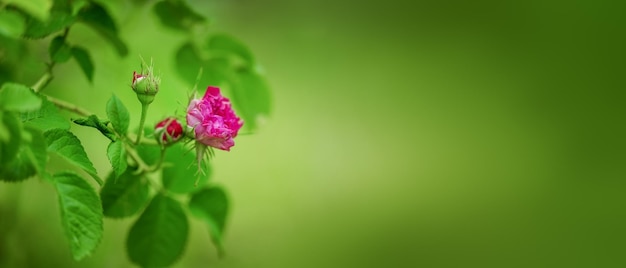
x=146 y=86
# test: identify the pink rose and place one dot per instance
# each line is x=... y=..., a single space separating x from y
x=213 y=120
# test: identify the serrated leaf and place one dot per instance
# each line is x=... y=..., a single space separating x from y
x=37 y=28
x=224 y=44
x=158 y=237
x=252 y=96
x=65 y=144
x=179 y=171
x=11 y=24
x=81 y=213
x=117 y=157
x=11 y=137
x=94 y=122
x=18 y=98
x=30 y=160
x=5 y=135
x=211 y=205
x=125 y=195
x=84 y=61
x=59 y=50
x=177 y=15
x=97 y=17
x=46 y=117
x=90 y=121
x=118 y=114
x=37 y=8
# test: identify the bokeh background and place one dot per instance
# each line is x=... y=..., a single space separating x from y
x=403 y=134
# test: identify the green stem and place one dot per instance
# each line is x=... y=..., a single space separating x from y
x=69 y=106
x=131 y=136
x=144 y=112
x=44 y=80
x=160 y=163
x=142 y=166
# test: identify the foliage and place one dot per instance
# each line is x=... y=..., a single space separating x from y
x=160 y=182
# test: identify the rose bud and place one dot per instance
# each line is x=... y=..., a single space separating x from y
x=145 y=85
x=168 y=131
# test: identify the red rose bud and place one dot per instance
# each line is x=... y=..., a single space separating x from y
x=168 y=131
x=137 y=78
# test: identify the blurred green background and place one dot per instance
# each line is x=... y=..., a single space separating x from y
x=404 y=134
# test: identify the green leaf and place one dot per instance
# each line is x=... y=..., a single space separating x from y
x=14 y=51
x=252 y=96
x=37 y=8
x=97 y=17
x=211 y=205
x=45 y=118
x=36 y=150
x=118 y=114
x=216 y=72
x=81 y=213
x=125 y=195
x=158 y=237
x=65 y=144
x=59 y=50
x=223 y=44
x=84 y=61
x=10 y=137
x=11 y=24
x=30 y=160
x=188 y=62
x=117 y=157
x=94 y=122
x=149 y=153
x=177 y=15
x=18 y=98
x=179 y=171
x=62 y=6
x=18 y=169
x=37 y=28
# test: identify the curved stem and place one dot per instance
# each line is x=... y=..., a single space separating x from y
x=44 y=80
x=160 y=163
x=144 y=111
x=69 y=106
x=142 y=166
x=131 y=136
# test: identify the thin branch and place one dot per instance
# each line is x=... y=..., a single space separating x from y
x=69 y=106
x=45 y=79
x=142 y=121
x=142 y=166
x=132 y=136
